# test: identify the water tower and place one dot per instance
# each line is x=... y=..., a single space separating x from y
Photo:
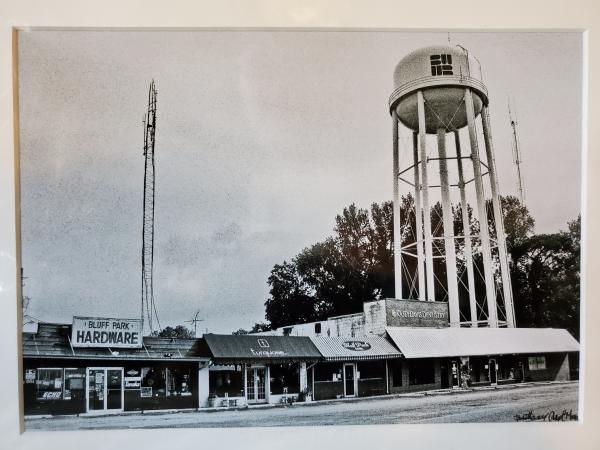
x=437 y=91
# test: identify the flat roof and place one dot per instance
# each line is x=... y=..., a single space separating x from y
x=440 y=342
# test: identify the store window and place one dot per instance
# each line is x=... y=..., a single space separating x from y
x=179 y=382
x=537 y=362
x=371 y=370
x=153 y=382
x=226 y=381
x=49 y=384
x=74 y=386
x=421 y=371
x=285 y=379
x=328 y=372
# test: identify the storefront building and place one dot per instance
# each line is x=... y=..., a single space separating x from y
x=60 y=377
x=437 y=356
x=352 y=367
x=489 y=356
x=253 y=369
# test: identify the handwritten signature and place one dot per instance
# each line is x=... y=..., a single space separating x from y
x=550 y=416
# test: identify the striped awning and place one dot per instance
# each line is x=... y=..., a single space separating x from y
x=353 y=349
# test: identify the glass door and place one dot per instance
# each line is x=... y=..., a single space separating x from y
x=255 y=384
x=104 y=389
x=349 y=380
x=96 y=384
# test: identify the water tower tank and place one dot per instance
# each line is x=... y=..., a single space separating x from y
x=442 y=73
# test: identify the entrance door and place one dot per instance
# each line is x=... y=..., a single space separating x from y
x=255 y=384
x=493 y=371
x=349 y=390
x=455 y=374
x=104 y=389
x=444 y=375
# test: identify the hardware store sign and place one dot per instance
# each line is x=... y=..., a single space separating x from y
x=105 y=332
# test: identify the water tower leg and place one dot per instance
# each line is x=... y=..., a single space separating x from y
x=426 y=208
x=396 y=210
x=498 y=219
x=419 y=220
x=448 y=219
x=468 y=251
x=486 y=253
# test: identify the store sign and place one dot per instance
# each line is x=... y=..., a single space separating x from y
x=105 y=332
x=415 y=313
x=356 y=346
x=30 y=376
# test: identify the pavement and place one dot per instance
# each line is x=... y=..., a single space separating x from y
x=508 y=403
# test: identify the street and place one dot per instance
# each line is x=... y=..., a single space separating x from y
x=550 y=402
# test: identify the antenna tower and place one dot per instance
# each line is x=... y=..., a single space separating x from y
x=516 y=149
x=148 y=308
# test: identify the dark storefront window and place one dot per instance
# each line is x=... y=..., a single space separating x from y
x=179 y=381
x=226 y=381
x=370 y=370
x=285 y=379
x=421 y=371
x=74 y=387
x=328 y=372
x=153 y=382
x=49 y=384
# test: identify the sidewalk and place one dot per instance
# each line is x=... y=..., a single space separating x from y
x=417 y=394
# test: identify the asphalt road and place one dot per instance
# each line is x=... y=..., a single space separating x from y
x=506 y=404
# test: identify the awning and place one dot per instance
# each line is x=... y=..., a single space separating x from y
x=352 y=349
x=438 y=342
x=249 y=348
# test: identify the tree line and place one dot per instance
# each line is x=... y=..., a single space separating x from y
x=356 y=264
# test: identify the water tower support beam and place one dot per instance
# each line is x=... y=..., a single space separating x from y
x=418 y=220
x=396 y=208
x=486 y=253
x=498 y=218
x=468 y=250
x=426 y=209
x=449 y=249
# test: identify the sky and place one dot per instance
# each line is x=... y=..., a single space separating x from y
x=262 y=138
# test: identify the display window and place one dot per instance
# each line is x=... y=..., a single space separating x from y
x=226 y=381
x=537 y=362
x=49 y=384
x=179 y=382
x=285 y=379
x=154 y=382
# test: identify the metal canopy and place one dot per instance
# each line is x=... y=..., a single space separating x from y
x=440 y=342
x=352 y=349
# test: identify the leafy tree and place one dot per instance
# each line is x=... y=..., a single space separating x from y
x=546 y=279
x=356 y=264
x=178 y=332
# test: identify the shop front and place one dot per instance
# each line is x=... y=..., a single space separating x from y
x=254 y=369
x=62 y=378
x=486 y=356
x=352 y=367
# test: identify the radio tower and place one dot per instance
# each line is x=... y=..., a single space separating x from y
x=148 y=310
x=517 y=155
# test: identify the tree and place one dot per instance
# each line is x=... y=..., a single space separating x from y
x=179 y=332
x=546 y=279
x=356 y=264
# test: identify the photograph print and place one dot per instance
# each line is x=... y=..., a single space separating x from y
x=298 y=228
